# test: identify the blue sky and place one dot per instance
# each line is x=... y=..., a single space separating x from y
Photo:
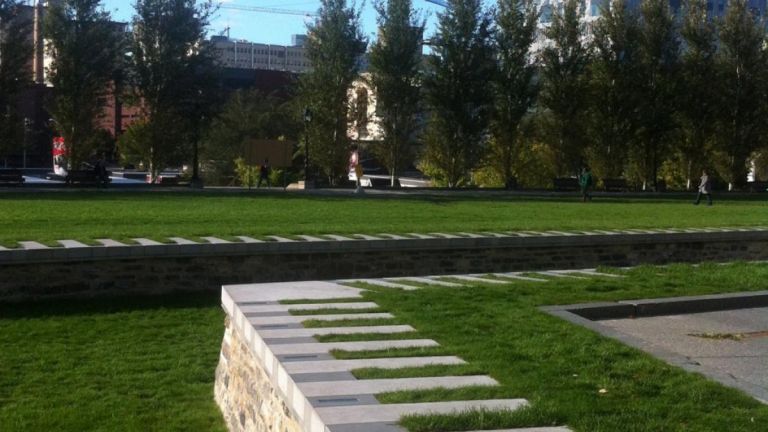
x=272 y=28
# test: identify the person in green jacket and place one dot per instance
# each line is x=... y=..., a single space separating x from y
x=585 y=182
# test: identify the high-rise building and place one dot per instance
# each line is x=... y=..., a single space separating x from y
x=239 y=54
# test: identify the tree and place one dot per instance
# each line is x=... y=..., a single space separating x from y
x=175 y=78
x=564 y=62
x=334 y=47
x=84 y=46
x=513 y=84
x=698 y=86
x=395 y=61
x=457 y=90
x=15 y=53
x=247 y=115
x=742 y=64
x=659 y=61
x=613 y=88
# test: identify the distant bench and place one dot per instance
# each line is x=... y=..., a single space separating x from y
x=757 y=186
x=566 y=184
x=11 y=177
x=86 y=177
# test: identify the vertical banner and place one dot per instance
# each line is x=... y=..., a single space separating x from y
x=59 y=157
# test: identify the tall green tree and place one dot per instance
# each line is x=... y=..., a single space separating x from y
x=513 y=85
x=174 y=76
x=15 y=74
x=334 y=47
x=564 y=62
x=84 y=46
x=613 y=88
x=457 y=90
x=698 y=92
x=395 y=61
x=742 y=64
x=659 y=63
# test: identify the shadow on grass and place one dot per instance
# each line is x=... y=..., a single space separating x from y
x=108 y=305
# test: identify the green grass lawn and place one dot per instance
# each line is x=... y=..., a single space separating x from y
x=121 y=215
x=148 y=364
x=128 y=365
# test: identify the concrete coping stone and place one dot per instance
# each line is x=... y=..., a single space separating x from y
x=310 y=332
x=444 y=235
x=534 y=429
x=280 y=239
x=425 y=281
x=366 y=237
x=559 y=274
x=70 y=244
x=471 y=235
x=216 y=240
x=110 y=243
x=32 y=245
x=421 y=236
x=327 y=347
x=495 y=234
x=147 y=242
x=381 y=283
x=392 y=412
x=337 y=237
x=394 y=237
x=246 y=239
x=182 y=241
x=326 y=366
x=476 y=278
x=562 y=233
x=518 y=276
x=271 y=308
x=297 y=319
x=310 y=238
x=375 y=386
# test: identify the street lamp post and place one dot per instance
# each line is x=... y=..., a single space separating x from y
x=27 y=127
x=307 y=121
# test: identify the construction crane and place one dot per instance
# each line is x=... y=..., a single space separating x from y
x=266 y=10
x=438 y=2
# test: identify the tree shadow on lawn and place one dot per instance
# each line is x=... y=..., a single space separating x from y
x=107 y=305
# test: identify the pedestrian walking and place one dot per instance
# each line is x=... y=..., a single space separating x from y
x=705 y=188
x=264 y=172
x=585 y=183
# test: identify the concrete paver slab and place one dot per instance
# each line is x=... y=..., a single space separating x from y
x=425 y=281
x=274 y=308
x=339 y=237
x=376 y=386
x=216 y=240
x=110 y=243
x=477 y=279
x=182 y=241
x=518 y=276
x=147 y=242
x=31 y=245
x=318 y=348
x=366 y=237
x=393 y=412
x=327 y=366
x=246 y=239
x=69 y=244
x=296 y=319
x=311 y=238
x=381 y=283
x=280 y=239
x=310 y=332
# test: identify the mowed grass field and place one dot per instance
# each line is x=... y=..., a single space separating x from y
x=122 y=215
x=148 y=364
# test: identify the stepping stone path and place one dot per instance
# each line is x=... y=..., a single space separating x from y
x=457 y=281
x=319 y=389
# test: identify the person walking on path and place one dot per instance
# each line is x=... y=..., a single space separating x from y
x=264 y=172
x=704 y=189
x=585 y=182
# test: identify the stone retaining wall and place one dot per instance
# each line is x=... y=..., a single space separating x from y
x=157 y=269
x=247 y=397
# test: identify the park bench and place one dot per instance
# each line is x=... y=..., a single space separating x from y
x=615 y=185
x=11 y=177
x=85 y=177
x=566 y=184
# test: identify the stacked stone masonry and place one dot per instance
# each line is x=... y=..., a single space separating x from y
x=37 y=272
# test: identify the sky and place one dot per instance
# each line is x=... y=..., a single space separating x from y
x=274 y=28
